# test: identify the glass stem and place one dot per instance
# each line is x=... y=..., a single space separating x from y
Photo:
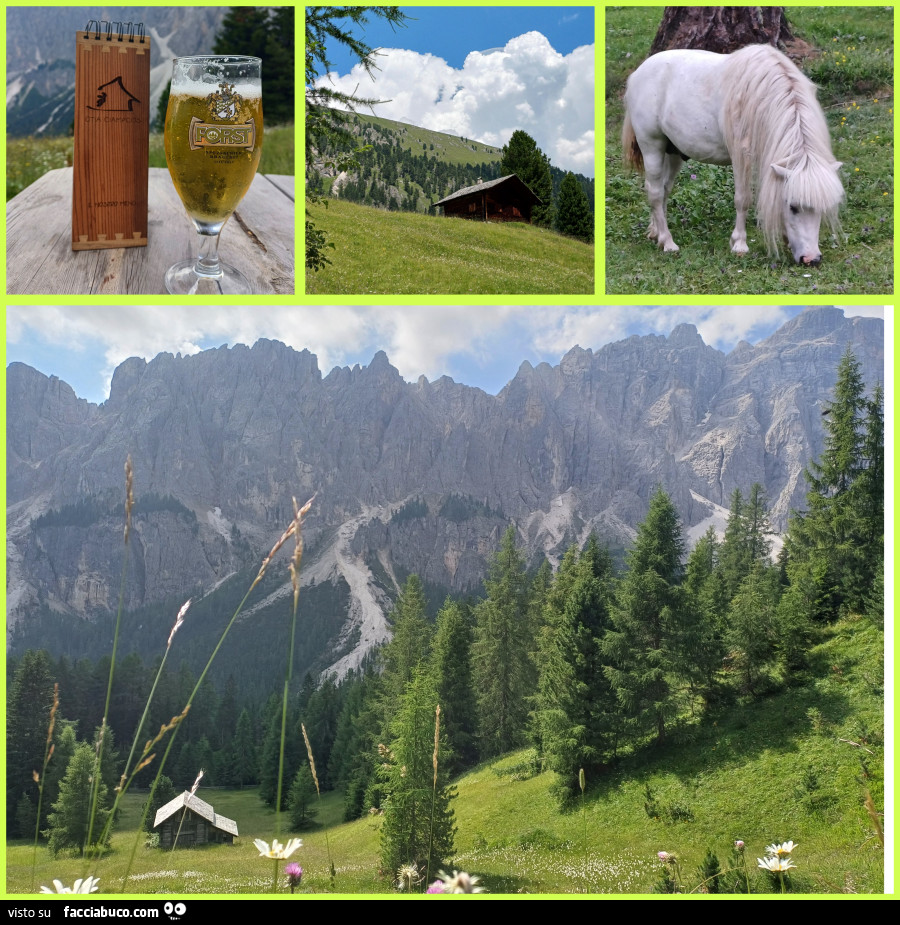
x=208 y=262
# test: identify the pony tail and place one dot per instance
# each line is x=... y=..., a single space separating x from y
x=631 y=150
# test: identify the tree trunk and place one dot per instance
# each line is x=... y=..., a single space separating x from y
x=722 y=29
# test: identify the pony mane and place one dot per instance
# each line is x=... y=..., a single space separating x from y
x=772 y=116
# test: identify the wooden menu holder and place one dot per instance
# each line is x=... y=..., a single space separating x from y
x=112 y=136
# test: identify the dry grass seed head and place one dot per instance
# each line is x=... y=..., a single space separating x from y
x=129 y=495
x=312 y=763
x=291 y=529
x=437 y=732
x=179 y=620
x=53 y=710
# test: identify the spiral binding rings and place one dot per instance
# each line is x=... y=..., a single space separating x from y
x=132 y=29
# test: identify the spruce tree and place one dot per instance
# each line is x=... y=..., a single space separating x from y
x=418 y=827
x=278 y=68
x=643 y=648
x=243 y=753
x=64 y=745
x=451 y=671
x=703 y=625
x=573 y=212
x=525 y=159
x=753 y=627
x=576 y=709
x=301 y=798
x=410 y=639
x=27 y=724
x=503 y=670
x=164 y=793
x=746 y=543
x=836 y=545
x=69 y=822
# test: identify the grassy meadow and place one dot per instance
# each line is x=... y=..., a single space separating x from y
x=852 y=65
x=29 y=158
x=403 y=252
x=795 y=765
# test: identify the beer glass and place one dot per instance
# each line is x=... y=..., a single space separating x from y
x=213 y=139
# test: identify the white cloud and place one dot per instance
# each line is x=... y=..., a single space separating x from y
x=722 y=326
x=419 y=340
x=867 y=311
x=525 y=85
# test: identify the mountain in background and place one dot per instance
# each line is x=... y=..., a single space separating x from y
x=40 y=56
x=407 y=168
x=408 y=477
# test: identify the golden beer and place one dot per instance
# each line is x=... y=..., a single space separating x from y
x=213 y=145
x=213 y=140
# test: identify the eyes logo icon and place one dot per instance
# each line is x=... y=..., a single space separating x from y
x=174 y=910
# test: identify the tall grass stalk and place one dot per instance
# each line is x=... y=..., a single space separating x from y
x=312 y=768
x=48 y=754
x=869 y=803
x=434 y=762
x=294 y=569
x=581 y=784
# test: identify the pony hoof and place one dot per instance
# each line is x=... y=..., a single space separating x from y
x=740 y=250
x=671 y=248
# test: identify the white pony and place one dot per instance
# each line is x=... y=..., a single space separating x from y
x=753 y=109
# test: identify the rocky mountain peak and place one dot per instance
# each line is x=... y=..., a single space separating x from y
x=408 y=477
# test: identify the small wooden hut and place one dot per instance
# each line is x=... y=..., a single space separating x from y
x=505 y=200
x=199 y=823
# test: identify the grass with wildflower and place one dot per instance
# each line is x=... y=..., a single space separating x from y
x=853 y=70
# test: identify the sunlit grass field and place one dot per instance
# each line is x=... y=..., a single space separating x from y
x=402 y=252
x=853 y=68
x=795 y=765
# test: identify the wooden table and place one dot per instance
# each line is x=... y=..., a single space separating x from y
x=258 y=239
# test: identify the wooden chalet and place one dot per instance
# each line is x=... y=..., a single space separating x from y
x=505 y=200
x=200 y=823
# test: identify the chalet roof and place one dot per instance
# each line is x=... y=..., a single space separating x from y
x=194 y=803
x=479 y=187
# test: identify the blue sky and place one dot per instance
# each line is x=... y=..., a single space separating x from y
x=476 y=345
x=452 y=32
x=483 y=72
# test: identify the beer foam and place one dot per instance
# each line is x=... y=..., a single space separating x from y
x=249 y=90
x=210 y=71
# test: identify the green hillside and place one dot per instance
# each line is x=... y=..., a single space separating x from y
x=390 y=252
x=793 y=766
x=449 y=148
